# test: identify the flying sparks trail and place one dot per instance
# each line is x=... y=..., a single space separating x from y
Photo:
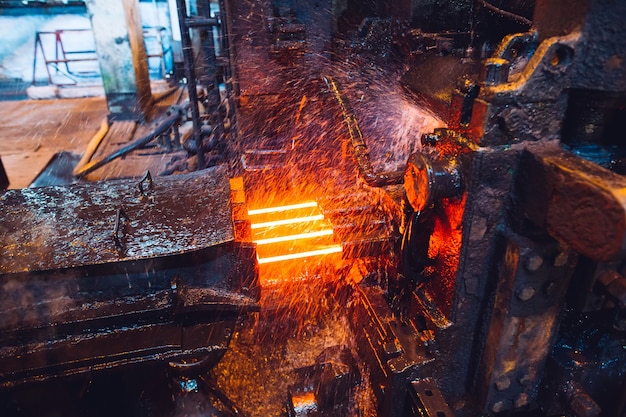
x=326 y=251
x=319 y=233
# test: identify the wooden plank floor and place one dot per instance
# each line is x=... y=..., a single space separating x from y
x=33 y=131
x=23 y=168
x=68 y=124
x=134 y=164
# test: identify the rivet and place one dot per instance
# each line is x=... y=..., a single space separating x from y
x=503 y=382
x=526 y=293
x=521 y=400
x=525 y=379
x=533 y=263
x=497 y=407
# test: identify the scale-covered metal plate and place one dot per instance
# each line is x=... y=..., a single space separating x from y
x=70 y=226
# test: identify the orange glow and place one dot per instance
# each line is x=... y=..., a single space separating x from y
x=277 y=239
x=444 y=250
x=307 y=235
x=308 y=204
x=308 y=254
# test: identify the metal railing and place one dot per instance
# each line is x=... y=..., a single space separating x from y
x=67 y=66
x=163 y=52
x=64 y=61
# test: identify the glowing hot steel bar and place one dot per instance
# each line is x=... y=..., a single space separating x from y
x=326 y=251
x=284 y=222
x=308 y=204
x=308 y=234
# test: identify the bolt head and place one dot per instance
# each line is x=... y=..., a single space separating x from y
x=525 y=379
x=498 y=407
x=526 y=293
x=521 y=400
x=533 y=263
x=503 y=382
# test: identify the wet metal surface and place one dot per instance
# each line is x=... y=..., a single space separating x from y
x=61 y=227
x=104 y=275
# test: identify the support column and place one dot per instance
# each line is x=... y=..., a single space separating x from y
x=122 y=56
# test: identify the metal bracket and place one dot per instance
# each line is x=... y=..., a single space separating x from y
x=119 y=214
x=147 y=178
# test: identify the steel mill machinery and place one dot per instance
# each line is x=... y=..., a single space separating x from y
x=434 y=189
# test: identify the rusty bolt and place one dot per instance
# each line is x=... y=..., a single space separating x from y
x=503 y=382
x=533 y=263
x=526 y=293
x=497 y=407
x=521 y=400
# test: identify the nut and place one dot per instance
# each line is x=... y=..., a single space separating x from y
x=497 y=407
x=526 y=293
x=533 y=263
x=503 y=382
x=521 y=400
